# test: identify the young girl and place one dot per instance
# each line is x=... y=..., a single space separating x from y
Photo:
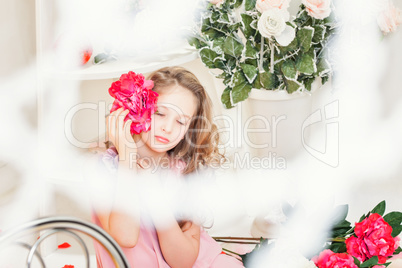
x=183 y=138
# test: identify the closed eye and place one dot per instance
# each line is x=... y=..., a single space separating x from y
x=181 y=123
x=160 y=114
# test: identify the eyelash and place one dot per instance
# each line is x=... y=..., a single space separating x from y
x=164 y=115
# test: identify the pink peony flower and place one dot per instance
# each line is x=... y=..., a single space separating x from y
x=264 y=5
x=329 y=259
x=319 y=9
x=135 y=93
x=389 y=19
x=373 y=238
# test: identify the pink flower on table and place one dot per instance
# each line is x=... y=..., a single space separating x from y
x=378 y=266
x=264 y=5
x=373 y=238
x=135 y=93
x=319 y=9
x=389 y=18
x=329 y=259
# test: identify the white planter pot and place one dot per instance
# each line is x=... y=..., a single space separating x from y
x=274 y=122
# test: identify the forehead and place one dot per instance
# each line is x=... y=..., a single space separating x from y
x=177 y=99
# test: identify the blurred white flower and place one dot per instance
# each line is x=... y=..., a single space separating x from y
x=217 y=2
x=264 y=5
x=319 y=9
x=389 y=18
x=285 y=255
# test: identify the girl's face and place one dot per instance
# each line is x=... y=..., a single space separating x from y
x=176 y=107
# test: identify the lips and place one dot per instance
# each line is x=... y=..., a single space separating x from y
x=161 y=139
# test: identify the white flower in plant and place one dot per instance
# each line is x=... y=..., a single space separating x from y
x=272 y=23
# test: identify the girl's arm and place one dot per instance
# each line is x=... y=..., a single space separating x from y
x=179 y=246
x=121 y=219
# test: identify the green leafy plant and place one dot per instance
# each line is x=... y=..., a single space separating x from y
x=228 y=38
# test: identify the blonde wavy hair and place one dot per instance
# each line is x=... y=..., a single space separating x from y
x=199 y=148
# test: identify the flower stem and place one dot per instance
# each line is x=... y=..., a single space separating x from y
x=224 y=249
x=337 y=239
x=271 y=47
x=261 y=55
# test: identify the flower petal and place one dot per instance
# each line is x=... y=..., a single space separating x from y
x=64 y=245
x=286 y=37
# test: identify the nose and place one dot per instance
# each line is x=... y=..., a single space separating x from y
x=168 y=126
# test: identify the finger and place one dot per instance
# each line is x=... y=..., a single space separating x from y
x=127 y=127
x=111 y=128
x=121 y=118
x=117 y=112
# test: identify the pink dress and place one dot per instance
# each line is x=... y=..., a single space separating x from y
x=147 y=252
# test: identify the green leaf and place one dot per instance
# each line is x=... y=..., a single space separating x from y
x=101 y=58
x=356 y=261
x=396 y=230
x=257 y=83
x=251 y=62
x=217 y=45
x=305 y=64
x=224 y=18
x=234 y=27
x=307 y=83
x=338 y=247
x=246 y=23
x=241 y=92
x=393 y=218
x=363 y=217
x=291 y=47
x=225 y=98
x=370 y=262
x=324 y=79
x=380 y=208
x=292 y=85
x=288 y=69
x=195 y=42
x=250 y=4
x=227 y=79
x=319 y=32
x=220 y=64
x=241 y=88
x=251 y=52
x=238 y=78
x=208 y=56
x=268 y=80
x=232 y=47
x=230 y=62
x=323 y=67
x=304 y=37
x=398 y=250
x=213 y=34
x=249 y=71
x=238 y=3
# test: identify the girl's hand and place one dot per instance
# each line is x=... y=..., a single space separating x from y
x=118 y=133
